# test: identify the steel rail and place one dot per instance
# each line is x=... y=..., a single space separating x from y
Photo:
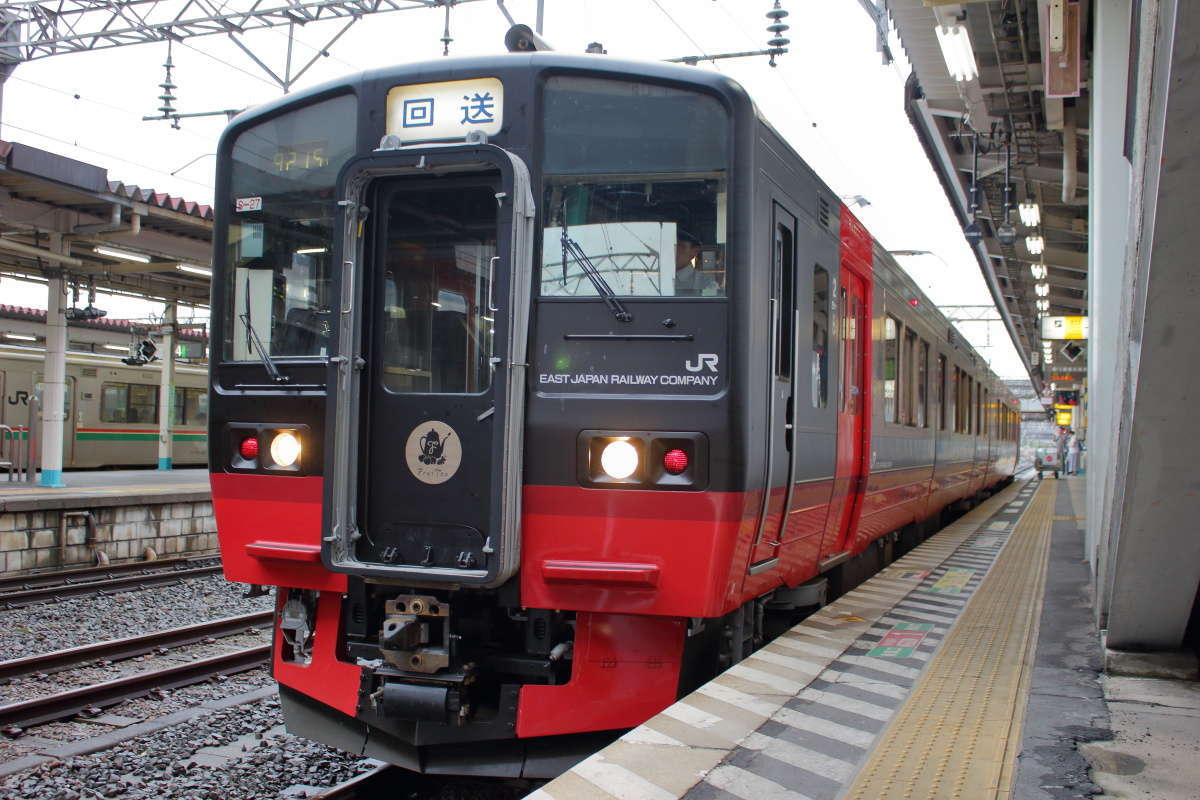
x=19 y=599
x=24 y=713
x=38 y=580
x=117 y=649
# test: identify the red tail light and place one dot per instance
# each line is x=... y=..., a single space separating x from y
x=675 y=461
x=249 y=448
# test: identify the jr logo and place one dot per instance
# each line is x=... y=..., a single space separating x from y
x=702 y=360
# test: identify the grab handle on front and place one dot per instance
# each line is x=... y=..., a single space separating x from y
x=347 y=286
x=492 y=283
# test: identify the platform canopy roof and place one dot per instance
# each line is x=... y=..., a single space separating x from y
x=57 y=213
x=1027 y=108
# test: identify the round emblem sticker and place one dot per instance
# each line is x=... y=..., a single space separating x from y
x=433 y=452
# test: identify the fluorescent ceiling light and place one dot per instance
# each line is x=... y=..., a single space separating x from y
x=1043 y=304
x=122 y=347
x=108 y=251
x=308 y=251
x=956 y=49
x=20 y=337
x=1031 y=214
x=1042 y=289
x=194 y=270
x=1039 y=271
x=1035 y=245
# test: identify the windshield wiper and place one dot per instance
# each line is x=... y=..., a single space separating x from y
x=572 y=248
x=256 y=342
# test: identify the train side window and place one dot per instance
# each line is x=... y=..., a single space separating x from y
x=922 y=386
x=820 y=341
x=940 y=392
x=197 y=407
x=908 y=363
x=143 y=403
x=114 y=400
x=891 y=366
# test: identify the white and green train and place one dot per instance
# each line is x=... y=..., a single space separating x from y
x=111 y=407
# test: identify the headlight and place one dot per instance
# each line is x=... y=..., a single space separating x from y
x=619 y=459
x=285 y=449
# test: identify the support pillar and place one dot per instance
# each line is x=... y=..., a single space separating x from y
x=54 y=374
x=166 y=389
x=1108 y=179
x=1154 y=552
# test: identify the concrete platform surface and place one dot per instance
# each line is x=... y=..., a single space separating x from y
x=1155 y=749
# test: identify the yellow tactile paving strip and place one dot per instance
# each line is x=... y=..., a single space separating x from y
x=960 y=729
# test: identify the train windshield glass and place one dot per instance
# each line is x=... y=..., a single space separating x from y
x=635 y=186
x=280 y=234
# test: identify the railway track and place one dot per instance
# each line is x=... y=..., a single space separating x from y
x=24 y=713
x=27 y=590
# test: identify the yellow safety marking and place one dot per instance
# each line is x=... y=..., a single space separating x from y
x=959 y=731
x=850 y=619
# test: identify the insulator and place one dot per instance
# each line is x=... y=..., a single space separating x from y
x=168 y=86
x=778 y=28
x=777 y=13
x=779 y=42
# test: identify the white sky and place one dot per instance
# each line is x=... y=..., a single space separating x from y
x=829 y=96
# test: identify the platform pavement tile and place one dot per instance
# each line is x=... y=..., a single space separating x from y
x=570 y=786
x=641 y=772
x=819 y=648
x=816 y=762
x=748 y=786
x=865 y=683
x=759 y=704
x=782 y=657
x=754 y=681
x=729 y=721
x=716 y=737
x=787 y=668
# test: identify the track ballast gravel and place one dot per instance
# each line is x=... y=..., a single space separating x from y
x=84 y=620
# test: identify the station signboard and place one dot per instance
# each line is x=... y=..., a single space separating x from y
x=1063 y=419
x=1064 y=327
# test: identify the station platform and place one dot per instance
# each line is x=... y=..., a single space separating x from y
x=104 y=516
x=106 y=487
x=970 y=668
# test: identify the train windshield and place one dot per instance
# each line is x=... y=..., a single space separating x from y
x=635 y=190
x=281 y=231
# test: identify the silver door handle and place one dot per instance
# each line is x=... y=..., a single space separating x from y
x=347 y=286
x=492 y=283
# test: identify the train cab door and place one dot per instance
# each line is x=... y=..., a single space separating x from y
x=780 y=457
x=853 y=322
x=430 y=385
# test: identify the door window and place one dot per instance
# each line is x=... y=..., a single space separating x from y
x=850 y=314
x=820 y=338
x=437 y=329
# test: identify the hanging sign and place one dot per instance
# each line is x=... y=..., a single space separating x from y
x=431 y=112
x=1064 y=327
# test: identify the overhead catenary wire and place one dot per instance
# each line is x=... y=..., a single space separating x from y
x=138 y=164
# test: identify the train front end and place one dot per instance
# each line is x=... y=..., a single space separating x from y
x=471 y=408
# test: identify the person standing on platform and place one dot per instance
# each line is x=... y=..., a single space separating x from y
x=1072 y=453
